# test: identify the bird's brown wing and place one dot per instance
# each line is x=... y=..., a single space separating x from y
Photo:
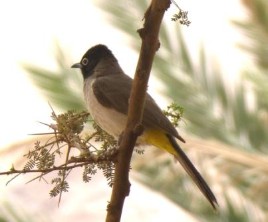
x=113 y=91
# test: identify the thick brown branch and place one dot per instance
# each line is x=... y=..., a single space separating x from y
x=149 y=34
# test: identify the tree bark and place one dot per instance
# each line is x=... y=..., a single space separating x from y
x=150 y=44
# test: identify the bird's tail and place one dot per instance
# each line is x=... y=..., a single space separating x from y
x=193 y=173
x=168 y=143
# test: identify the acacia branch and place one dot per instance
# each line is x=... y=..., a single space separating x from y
x=150 y=44
x=73 y=162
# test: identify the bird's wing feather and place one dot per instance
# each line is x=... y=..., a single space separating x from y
x=114 y=92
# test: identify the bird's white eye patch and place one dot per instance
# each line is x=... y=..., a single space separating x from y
x=84 y=61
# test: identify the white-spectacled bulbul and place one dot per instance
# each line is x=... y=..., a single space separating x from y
x=107 y=91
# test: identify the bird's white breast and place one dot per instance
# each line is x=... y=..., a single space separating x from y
x=108 y=119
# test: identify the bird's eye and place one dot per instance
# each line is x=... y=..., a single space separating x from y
x=84 y=61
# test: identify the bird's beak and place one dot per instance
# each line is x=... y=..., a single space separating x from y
x=76 y=65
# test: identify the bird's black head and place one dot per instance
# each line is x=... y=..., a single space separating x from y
x=91 y=58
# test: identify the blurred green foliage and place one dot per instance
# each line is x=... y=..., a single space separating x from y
x=62 y=88
x=10 y=213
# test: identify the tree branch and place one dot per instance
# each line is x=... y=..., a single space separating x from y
x=150 y=44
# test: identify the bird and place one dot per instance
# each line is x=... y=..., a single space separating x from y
x=106 y=92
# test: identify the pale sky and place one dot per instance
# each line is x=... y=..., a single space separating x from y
x=30 y=28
